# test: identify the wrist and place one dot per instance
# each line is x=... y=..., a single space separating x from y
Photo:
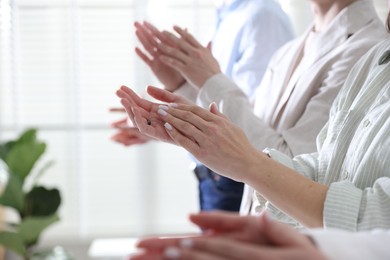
x=175 y=86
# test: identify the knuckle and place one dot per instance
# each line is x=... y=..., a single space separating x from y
x=186 y=116
x=186 y=127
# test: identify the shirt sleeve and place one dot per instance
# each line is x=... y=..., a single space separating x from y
x=188 y=91
x=233 y=103
x=339 y=244
x=262 y=35
x=350 y=208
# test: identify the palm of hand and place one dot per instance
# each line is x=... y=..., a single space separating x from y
x=149 y=122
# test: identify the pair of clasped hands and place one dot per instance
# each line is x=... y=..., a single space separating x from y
x=207 y=134
x=227 y=236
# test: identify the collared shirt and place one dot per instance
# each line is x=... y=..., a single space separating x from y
x=353 y=157
x=306 y=98
x=248 y=33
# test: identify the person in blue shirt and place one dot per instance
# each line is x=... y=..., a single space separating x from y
x=247 y=34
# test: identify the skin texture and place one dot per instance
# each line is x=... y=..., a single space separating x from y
x=178 y=57
x=175 y=59
x=126 y=134
x=225 y=149
x=150 y=37
x=229 y=236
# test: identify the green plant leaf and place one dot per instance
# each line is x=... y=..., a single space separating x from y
x=31 y=227
x=23 y=156
x=13 y=241
x=13 y=195
x=5 y=148
x=42 y=202
x=28 y=136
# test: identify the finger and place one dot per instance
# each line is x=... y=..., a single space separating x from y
x=129 y=109
x=146 y=38
x=147 y=256
x=158 y=243
x=186 y=110
x=235 y=249
x=157 y=33
x=186 y=122
x=130 y=137
x=143 y=56
x=175 y=253
x=174 y=53
x=209 y=46
x=133 y=98
x=180 y=43
x=122 y=138
x=117 y=109
x=165 y=96
x=173 y=63
x=219 y=221
x=187 y=36
x=121 y=123
x=182 y=140
x=213 y=108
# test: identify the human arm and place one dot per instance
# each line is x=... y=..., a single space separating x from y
x=223 y=147
x=229 y=236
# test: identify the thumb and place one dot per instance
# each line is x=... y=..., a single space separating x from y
x=209 y=46
x=161 y=94
x=214 y=109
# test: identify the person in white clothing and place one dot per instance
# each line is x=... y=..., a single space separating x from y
x=304 y=76
x=248 y=32
x=344 y=185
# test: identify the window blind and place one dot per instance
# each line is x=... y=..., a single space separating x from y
x=61 y=62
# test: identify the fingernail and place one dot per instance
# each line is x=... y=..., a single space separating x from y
x=186 y=243
x=162 y=112
x=172 y=105
x=172 y=253
x=163 y=107
x=168 y=126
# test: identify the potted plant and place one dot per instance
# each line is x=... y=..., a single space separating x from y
x=35 y=206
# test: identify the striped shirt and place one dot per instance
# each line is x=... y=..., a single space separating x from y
x=353 y=157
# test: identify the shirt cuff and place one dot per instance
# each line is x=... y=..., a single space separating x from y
x=188 y=91
x=212 y=89
x=342 y=205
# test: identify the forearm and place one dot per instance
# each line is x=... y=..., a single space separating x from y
x=288 y=190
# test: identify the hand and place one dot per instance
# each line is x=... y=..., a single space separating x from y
x=150 y=36
x=263 y=239
x=143 y=113
x=128 y=135
x=190 y=58
x=212 y=139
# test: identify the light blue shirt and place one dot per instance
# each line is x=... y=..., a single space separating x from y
x=248 y=33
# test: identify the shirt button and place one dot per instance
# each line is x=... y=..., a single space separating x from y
x=345 y=175
x=366 y=123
